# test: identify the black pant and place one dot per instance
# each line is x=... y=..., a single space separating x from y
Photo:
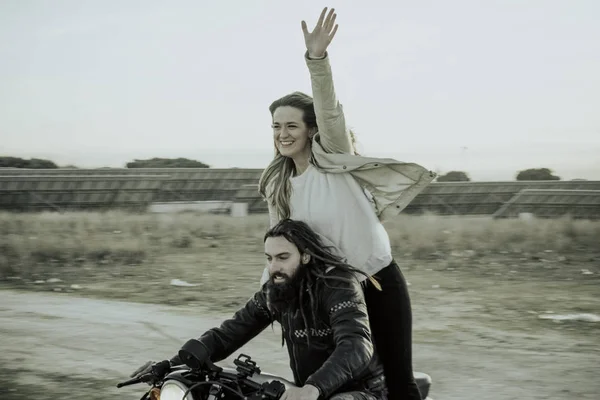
x=373 y=389
x=390 y=317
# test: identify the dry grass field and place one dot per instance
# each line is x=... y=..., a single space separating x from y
x=135 y=256
x=523 y=289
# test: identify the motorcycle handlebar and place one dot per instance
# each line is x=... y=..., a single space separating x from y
x=273 y=390
x=157 y=371
x=139 y=379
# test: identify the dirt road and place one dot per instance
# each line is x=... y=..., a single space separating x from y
x=61 y=346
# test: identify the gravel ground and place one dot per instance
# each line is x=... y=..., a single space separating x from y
x=478 y=337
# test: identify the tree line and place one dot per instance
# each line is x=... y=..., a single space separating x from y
x=532 y=174
x=156 y=162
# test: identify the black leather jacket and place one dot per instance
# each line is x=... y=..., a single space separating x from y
x=341 y=355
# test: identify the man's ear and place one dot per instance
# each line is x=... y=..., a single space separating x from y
x=305 y=258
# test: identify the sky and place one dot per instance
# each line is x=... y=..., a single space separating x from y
x=488 y=87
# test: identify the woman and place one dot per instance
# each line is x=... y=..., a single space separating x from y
x=317 y=177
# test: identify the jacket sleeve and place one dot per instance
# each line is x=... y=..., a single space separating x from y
x=352 y=335
x=333 y=134
x=235 y=332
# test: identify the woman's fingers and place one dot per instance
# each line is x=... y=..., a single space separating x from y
x=304 y=28
x=321 y=17
x=323 y=32
x=331 y=23
x=335 y=28
x=329 y=20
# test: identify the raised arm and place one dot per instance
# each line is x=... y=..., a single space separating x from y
x=333 y=134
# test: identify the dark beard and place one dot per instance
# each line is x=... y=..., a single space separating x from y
x=282 y=297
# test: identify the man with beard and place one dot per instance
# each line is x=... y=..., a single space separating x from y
x=319 y=302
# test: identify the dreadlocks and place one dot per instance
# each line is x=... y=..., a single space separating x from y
x=308 y=242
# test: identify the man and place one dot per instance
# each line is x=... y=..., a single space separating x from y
x=320 y=305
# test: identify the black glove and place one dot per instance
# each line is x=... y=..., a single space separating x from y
x=158 y=370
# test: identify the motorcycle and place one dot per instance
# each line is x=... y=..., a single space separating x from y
x=195 y=381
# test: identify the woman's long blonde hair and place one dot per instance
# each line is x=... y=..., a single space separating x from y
x=274 y=184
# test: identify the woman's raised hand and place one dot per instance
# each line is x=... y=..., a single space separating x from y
x=318 y=40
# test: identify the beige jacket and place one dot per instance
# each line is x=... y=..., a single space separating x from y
x=393 y=184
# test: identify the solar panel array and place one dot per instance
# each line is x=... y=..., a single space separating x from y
x=173 y=184
x=481 y=198
x=27 y=189
x=205 y=184
x=551 y=203
x=470 y=198
x=64 y=192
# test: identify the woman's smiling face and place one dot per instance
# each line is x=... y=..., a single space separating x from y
x=291 y=135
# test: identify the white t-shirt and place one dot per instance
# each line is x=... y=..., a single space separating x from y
x=337 y=208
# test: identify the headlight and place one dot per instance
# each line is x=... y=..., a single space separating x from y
x=174 y=390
